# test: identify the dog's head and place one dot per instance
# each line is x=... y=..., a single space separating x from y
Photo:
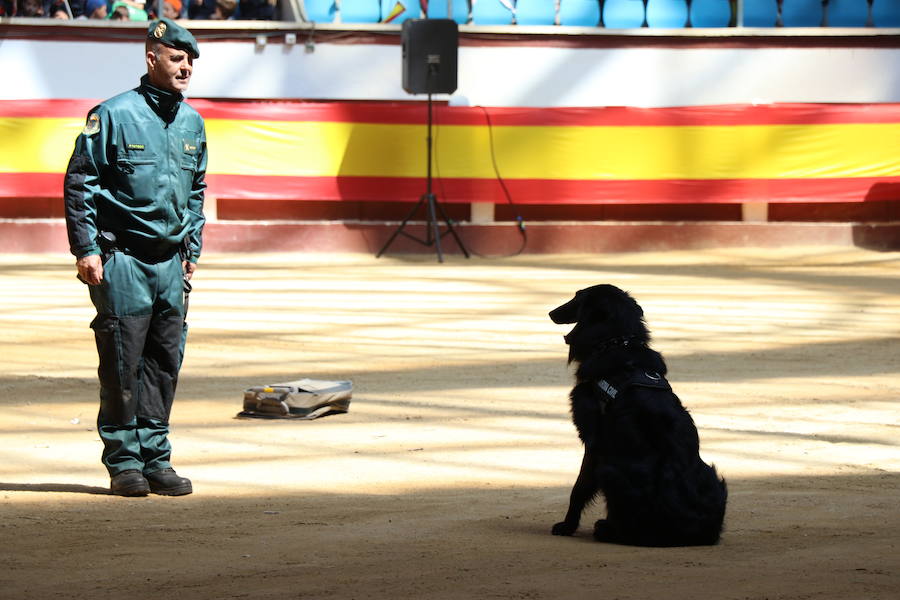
x=601 y=313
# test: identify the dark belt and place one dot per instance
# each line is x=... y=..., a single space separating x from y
x=110 y=242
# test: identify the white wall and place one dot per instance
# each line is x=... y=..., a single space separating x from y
x=519 y=75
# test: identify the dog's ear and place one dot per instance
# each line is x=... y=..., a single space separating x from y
x=625 y=309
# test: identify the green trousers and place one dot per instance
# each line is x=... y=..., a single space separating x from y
x=140 y=334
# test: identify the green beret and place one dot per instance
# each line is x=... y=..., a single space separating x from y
x=172 y=34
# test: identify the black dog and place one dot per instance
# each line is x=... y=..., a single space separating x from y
x=641 y=448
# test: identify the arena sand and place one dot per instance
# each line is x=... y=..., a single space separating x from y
x=457 y=454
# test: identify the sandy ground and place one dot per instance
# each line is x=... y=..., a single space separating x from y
x=457 y=454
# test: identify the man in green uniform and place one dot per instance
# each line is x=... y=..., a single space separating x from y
x=134 y=212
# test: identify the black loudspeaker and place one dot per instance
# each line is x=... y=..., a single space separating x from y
x=430 y=47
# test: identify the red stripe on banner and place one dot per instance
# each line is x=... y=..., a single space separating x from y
x=415 y=112
x=521 y=191
x=546 y=191
x=31 y=185
x=49 y=109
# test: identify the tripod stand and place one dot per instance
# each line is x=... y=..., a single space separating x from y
x=433 y=233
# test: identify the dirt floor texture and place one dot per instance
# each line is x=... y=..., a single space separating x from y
x=457 y=454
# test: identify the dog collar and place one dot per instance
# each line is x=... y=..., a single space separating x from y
x=623 y=341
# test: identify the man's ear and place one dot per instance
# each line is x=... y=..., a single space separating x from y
x=151 y=60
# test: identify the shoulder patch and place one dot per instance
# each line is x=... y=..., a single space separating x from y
x=93 y=124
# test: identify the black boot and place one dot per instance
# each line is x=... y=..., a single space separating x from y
x=129 y=483
x=166 y=482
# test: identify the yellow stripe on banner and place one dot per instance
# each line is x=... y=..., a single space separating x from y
x=327 y=149
x=586 y=153
x=30 y=145
x=709 y=152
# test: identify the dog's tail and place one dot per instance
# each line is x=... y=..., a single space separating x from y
x=711 y=498
x=696 y=511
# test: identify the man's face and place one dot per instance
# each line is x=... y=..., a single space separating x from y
x=169 y=68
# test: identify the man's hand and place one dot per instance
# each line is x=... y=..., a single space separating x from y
x=90 y=269
x=189 y=269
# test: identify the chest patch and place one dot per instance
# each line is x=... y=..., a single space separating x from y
x=135 y=146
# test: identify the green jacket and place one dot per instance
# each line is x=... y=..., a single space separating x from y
x=138 y=171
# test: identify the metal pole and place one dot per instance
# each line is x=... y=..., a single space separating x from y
x=429 y=140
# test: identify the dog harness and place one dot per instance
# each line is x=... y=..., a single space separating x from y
x=645 y=379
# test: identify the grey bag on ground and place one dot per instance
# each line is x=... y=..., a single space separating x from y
x=303 y=399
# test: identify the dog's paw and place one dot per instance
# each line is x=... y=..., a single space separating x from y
x=602 y=531
x=564 y=528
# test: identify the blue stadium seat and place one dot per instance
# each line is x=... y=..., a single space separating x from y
x=801 y=13
x=579 y=13
x=535 y=12
x=491 y=12
x=360 y=11
x=397 y=11
x=623 y=14
x=847 y=13
x=886 y=13
x=437 y=9
x=672 y=14
x=760 y=13
x=320 y=11
x=711 y=13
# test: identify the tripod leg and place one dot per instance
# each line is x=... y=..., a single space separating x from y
x=434 y=229
x=399 y=229
x=452 y=230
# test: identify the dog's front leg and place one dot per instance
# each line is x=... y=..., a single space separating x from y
x=583 y=492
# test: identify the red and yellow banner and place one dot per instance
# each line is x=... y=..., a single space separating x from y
x=377 y=151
